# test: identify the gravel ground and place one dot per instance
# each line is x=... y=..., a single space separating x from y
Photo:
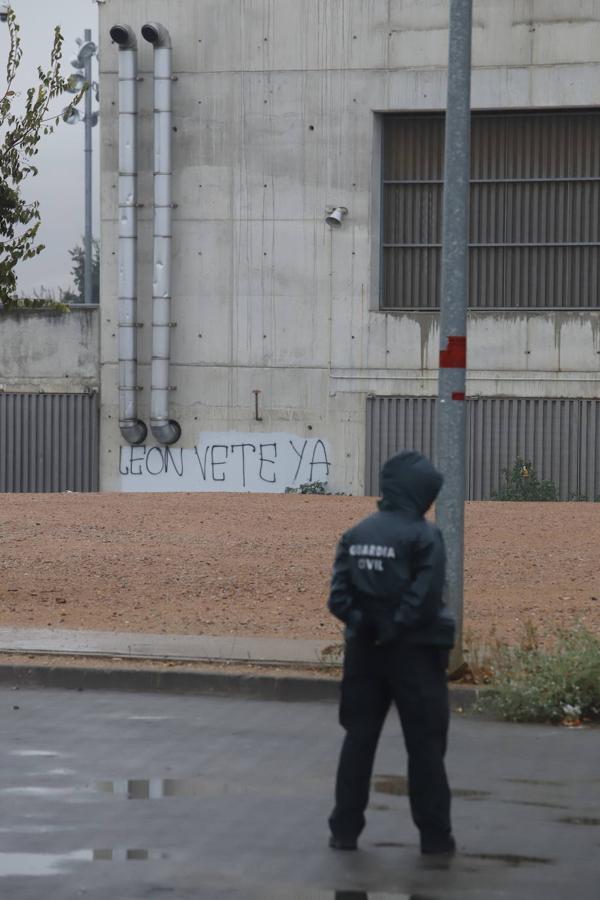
x=259 y=564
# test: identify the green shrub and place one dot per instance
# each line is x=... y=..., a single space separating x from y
x=522 y=483
x=561 y=684
x=43 y=304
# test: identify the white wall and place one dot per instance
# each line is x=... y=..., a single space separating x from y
x=275 y=111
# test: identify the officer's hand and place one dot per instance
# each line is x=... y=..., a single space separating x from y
x=352 y=624
x=387 y=632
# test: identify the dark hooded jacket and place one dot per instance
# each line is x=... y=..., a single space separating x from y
x=389 y=569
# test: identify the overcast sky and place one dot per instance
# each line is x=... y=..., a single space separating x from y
x=60 y=184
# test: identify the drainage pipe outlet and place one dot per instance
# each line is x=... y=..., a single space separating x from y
x=164 y=429
x=133 y=430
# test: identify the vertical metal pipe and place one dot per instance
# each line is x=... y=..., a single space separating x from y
x=164 y=429
x=87 y=255
x=133 y=430
x=451 y=422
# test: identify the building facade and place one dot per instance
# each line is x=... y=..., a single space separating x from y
x=301 y=352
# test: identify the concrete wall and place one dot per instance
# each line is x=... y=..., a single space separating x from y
x=276 y=106
x=44 y=351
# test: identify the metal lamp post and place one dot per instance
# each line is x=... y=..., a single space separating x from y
x=83 y=62
x=451 y=419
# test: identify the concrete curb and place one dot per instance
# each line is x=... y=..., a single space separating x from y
x=287 y=688
x=261 y=687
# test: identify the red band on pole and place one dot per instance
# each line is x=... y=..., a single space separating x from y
x=455 y=354
x=458 y=395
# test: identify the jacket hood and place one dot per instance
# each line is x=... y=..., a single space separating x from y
x=409 y=482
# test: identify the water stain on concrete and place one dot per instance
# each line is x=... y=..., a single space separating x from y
x=398 y=785
x=536 y=781
x=469 y=794
x=579 y=820
x=510 y=859
x=541 y=803
x=389 y=844
x=362 y=895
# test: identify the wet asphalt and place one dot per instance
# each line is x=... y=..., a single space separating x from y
x=125 y=796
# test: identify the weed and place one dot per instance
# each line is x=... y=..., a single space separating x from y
x=312 y=487
x=333 y=654
x=42 y=303
x=560 y=683
x=477 y=668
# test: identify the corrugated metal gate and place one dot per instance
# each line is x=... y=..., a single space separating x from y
x=560 y=437
x=48 y=442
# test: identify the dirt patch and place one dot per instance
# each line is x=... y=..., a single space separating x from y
x=259 y=564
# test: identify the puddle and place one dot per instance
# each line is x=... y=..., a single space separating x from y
x=35 y=829
x=36 y=864
x=579 y=820
x=38 y=791
x=34 y=753
x=368 y=895
x=398 y=785
x=125 y=855
x=510 y=859
x=152 y=788
x=132 y=788
x=149 y=718
x=43 y=864
x=317 y=894
x=391 y=784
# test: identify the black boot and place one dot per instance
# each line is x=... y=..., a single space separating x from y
x=440 y=845
x=338 y=843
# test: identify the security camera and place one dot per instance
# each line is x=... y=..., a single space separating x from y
x=4 y=11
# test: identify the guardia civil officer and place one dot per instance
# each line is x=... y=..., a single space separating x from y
x=387 y=587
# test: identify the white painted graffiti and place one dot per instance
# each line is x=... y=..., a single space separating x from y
x=226 y=461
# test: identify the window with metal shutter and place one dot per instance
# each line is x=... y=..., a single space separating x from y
x=535 y=210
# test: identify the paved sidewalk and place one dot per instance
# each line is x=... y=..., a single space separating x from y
x=271 y=668
x=165 y=646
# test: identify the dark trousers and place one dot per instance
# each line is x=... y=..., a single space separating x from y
x=414 y=678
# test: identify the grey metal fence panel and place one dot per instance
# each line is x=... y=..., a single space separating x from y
x=560 y=437
x=48 y=442
x=394 y=424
